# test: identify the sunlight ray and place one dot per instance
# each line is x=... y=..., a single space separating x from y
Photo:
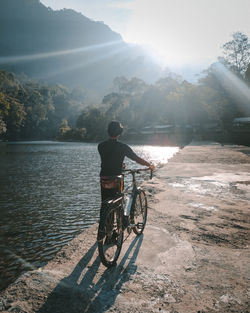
x=83 y=64
x=234 y=85
x=37 y=56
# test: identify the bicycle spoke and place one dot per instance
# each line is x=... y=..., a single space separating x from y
x=110 y=237
x=139 y=213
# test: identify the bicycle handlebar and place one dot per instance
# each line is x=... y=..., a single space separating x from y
x=138 y=170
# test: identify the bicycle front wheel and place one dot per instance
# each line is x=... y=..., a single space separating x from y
x=139 y=212
x=110 y=235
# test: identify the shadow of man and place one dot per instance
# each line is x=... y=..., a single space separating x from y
x=79 y=292
x=108 y=287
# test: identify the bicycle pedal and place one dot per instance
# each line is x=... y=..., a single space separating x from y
x=140 y=225
x=129 y=230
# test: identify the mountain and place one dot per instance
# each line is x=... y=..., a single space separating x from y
x=66 y=47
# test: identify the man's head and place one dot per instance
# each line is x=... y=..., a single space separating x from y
x=115 y=129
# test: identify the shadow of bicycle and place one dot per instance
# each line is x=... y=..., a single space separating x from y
x=82 y=291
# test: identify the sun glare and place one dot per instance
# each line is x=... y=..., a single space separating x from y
x=159 y=155
x=183 y=32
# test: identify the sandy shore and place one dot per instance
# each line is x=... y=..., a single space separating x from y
x=193 y=256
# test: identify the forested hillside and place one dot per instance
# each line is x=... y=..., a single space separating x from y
x=171 y=101
x=89 y=58
x=29 y=110
x=66 y=47
x=221 y=95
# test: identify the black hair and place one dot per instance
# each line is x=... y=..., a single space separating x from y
x=115 y=128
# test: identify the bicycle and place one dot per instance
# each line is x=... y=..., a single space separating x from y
x=127 y=211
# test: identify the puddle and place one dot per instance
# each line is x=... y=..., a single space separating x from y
x=218 y=184
x=202 y=206
x=198 y=188
x=177 y=185
x=227 y=177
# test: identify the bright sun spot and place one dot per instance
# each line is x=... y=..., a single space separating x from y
x=158 y=155
x=183 y=31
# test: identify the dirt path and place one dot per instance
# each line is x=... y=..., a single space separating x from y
x=193 y=256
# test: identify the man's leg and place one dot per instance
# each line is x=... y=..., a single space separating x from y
x=106 y=194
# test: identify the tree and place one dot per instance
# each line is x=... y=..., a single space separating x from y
x=29 y=110
x=4 y=111
x=220 y=95
x=15 y=119
x=93 y=120
x=64 y=127
x=3 y=127
x=168 y=84
x=247 y=74
x=12 y=116
x=131 y=87
x=237 y=52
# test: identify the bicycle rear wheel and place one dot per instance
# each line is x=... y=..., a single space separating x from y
x=110 y=234
x=139 y=212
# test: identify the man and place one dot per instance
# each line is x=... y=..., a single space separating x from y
x=112 y=154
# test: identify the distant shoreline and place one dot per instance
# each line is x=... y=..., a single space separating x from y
x=128 y=141
x=242 y=140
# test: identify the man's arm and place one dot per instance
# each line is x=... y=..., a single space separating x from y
x=145 y=163
x=130 y=154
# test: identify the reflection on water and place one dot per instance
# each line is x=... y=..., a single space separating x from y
x=49 y=192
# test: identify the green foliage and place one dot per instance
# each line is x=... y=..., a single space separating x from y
x=29 y=110
x=237 y=53
x=12 y=115
x=67 y=133
x=94 y=122
x=247 y=74
x=170 y=101
x=3 y=128
x=129 y=87
x=64 y=127
x=4 y=106
x=15 y=119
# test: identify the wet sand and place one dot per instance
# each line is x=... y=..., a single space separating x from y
x=192 y=257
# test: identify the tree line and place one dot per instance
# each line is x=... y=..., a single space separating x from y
x=222 y=94
x=33 y=111
x=30 y=110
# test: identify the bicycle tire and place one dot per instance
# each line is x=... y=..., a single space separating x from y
x=110 y=234
x=139 y=212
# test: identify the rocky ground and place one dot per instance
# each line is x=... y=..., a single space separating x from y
x=193 y=256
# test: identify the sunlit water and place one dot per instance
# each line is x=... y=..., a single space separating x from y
x=49 y=192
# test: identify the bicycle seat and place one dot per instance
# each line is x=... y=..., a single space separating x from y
x=111 y=182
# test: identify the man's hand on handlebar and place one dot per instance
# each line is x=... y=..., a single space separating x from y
x=152 y=167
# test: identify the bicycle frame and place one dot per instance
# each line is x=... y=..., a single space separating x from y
x=121 y=194
x=113 y=221
x=134 y=185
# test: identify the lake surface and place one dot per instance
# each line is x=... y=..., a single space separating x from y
x=49 y=192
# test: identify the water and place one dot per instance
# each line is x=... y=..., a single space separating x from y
x=49 y=192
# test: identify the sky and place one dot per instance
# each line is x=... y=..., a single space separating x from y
x=183 y=33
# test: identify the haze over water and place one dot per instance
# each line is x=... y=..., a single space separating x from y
x=49 y=192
